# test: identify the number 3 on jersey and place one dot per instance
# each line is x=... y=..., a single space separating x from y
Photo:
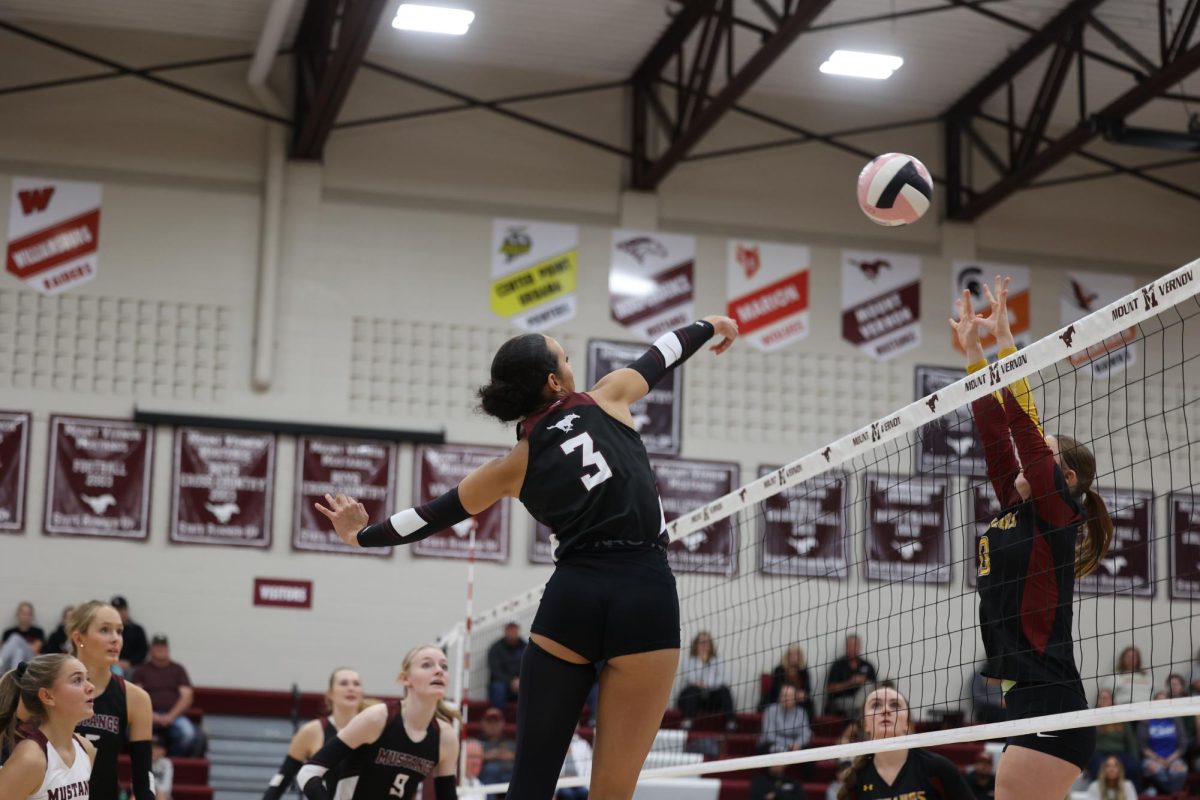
x=591 y=458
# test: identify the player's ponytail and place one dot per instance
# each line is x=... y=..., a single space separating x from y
x=1098 y=527
x=519 y=371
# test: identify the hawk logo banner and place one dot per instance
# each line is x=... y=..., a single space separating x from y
x=53 y=233
x=650 y=281
x=802 y=530
x=534 y=272
x=1084 y=292
x=683 y=487
x=973 y=276
x=907 y=535
x=881 y=302
x=767 y=286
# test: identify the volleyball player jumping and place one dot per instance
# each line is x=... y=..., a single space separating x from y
x=581 y=469
x=1052 y=528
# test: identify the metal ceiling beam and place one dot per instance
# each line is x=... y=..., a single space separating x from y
x=330 y=47
x=697 y=112
x=116 y=73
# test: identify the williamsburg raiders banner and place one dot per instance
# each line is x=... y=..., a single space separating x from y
x=1083 y=293
x=802 y=530
x=534 y=268
x=1184 y=523
x=99 y=478
x=767 y=285
x=984 y=510
x=650 y=281
x=364 y=470
x=881 y=302
x=658 y=416
x=14 y=466
x=53 y=233
x=972 y=275
x=683 y=487
x=439 y=468
x=1128 y=567
x=222 y=485
x=908 y=537
x=950 y=443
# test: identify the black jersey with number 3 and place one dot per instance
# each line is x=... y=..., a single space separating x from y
x=924 y=776
x=391 y=766
x=589 y=479
x=108 y=730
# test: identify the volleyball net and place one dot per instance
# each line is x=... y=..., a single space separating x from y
x=872 y=543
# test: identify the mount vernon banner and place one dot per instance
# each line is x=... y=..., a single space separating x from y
x=908 y=537
x=881 y=302
x=534 y=266
x=650 y=281
x=362 y=469
x=1083 y=293
x=972 y=275
x=439 y=468
x=222 y=487
x=767 y=286
x=684 y=486
x=802 y=530
x=53 y=233
x=99 y=478
x=658 y=416
x=14 y=467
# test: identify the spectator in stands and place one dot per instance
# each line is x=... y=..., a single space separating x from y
x=59 y=640
x=785 y=724
x=171 y=695
x=134 y=648
x=1112 y=783
x=1176 y=686
x=773 y=784
x=498 y=749
x=25 y=625
x=704 y=686
x=987 y=697
x=17 y=648
x=504 y=666
x=1163 y=742
x=791 y=671
x=474 y=765
x=163 y=769
x=850 y=677
x=578 y=764
x=981 y=777
x=1131 y=684
x=1118 y=741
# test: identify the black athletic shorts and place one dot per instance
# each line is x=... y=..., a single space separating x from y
x=1026 y=700
x=604 y=604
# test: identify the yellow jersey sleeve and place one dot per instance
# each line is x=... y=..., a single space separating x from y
x=1023 y=393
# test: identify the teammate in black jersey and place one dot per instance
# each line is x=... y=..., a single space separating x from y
x=123 y=720
x=343 y=699
x=899 y=774
x=1052 y=527
x=580 y=468
x=388 y=749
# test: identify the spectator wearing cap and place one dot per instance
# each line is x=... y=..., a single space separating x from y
x=504 y=666
x=171 y=694
x=133 y=650
x=498 y=749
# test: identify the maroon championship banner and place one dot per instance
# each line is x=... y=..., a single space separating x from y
x=984 y=508
x=14 y=467
x=949 y=444
x=684 y=486
x=98 y=483
x=439 y=468
x=1128 y=567
x=364 y=470
x=803 y=529
x=658 y=416
x=1184 y=511
x=222 y=484
x=908 y=535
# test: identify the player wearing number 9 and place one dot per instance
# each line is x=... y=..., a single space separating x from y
x=581 y=469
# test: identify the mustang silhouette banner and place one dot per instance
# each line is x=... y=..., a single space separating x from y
x=362 y=469
x=222 y=484
x=802 y=529
x=439 y=468
x=684 y=486
x=906 y=525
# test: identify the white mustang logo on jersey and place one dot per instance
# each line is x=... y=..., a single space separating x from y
x=565 y=424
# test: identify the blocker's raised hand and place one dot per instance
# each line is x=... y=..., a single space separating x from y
x=347 y=515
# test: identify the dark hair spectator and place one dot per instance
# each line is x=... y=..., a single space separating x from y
x=135 y=646
x=504 y=666
x=704 y=686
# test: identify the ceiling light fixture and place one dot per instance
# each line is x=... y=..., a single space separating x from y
x=433 y=19
x=862 y=65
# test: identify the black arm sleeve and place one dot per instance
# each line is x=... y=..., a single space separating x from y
x=312 y=774
x=283 y=779
x=140 y=760
x=445 y=787
x=671 y=350
x=415 y=524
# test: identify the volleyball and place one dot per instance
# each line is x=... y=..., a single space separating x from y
x=894 y=189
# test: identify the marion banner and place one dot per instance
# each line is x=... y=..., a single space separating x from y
x=1083 y=293
x=767 y=287
x=972 y=275
x=441 y=467
x=684 y=486
x=657 y=417
x=99 y=478
x=364 y=470
x=222 y=485
x=802 y=530
x=534 y=266
x=1128 y=567
x=908 y=537
x=650 y=281
x=881 y=302
x=14 y=469
x=53 y=233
